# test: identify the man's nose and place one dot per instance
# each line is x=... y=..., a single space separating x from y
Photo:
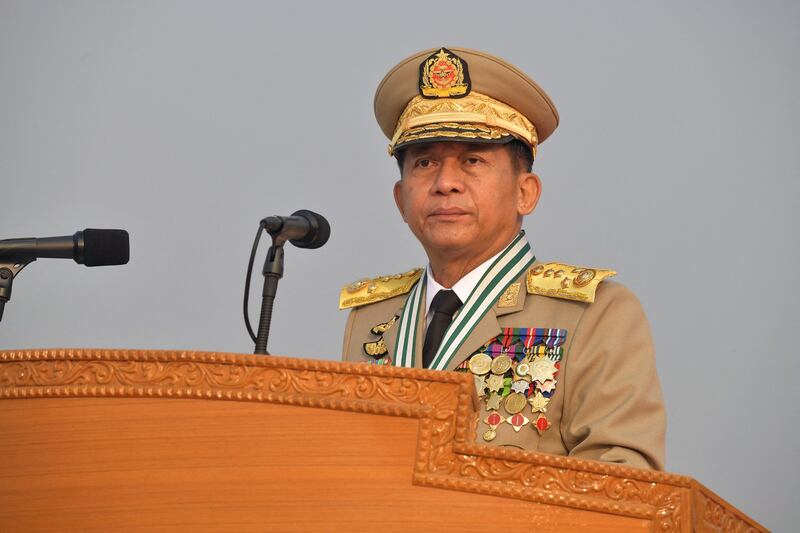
x=450 y=177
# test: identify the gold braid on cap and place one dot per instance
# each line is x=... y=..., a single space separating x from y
x=497 y=118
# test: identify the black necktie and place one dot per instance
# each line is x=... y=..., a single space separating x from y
x=444 y=304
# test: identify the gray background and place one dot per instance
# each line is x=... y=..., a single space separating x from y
x=187 y=122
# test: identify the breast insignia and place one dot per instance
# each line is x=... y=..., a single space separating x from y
x=570 y=282
x=367 y=291
x=384 y=327
x=377 y=350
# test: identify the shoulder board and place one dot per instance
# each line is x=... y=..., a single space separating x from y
x=570 y=282
x=367 y=291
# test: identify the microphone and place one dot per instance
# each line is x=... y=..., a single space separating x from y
x=304 y=228
x=90 y=247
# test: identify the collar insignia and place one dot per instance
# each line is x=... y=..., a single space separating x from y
x=444 y=75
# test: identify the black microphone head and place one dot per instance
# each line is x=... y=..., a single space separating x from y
x=321 y=230
x=103 y=247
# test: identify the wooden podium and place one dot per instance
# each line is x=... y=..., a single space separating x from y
x=110 y=440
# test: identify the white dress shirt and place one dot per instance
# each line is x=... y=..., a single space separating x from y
x=462 y=288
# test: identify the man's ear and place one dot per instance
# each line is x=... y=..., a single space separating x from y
x=398 y=198
x=530 y=189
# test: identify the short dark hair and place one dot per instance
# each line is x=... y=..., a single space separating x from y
x=521 y=156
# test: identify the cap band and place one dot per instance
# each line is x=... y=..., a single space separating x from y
x=440 y=118
x=453 y=131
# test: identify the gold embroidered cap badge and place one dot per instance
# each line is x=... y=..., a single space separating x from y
x=444 y=75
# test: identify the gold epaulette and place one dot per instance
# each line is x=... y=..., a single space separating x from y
x=367 y=291
x=566 y=281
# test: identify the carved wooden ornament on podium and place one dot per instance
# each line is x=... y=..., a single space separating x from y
x=131 y=440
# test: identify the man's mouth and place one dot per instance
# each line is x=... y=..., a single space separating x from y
x=447 y=213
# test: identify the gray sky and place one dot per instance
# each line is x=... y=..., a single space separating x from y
x=187 y=122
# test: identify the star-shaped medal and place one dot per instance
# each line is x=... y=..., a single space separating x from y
x=538 y=403
x=541 y=424
x=493 y=402
x=480 y=385
x=494 y=382
x=548 y=385
x=520 y=386
x=543 y=369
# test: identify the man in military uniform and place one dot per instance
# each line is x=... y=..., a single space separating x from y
x=562 y=358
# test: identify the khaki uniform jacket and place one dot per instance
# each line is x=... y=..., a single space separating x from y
x=607 y=404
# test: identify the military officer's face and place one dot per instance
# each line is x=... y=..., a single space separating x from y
x=464 y=200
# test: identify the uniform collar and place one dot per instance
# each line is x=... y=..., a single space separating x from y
x=511 y=301
x=462 y=288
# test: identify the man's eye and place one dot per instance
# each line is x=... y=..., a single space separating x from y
x=473 y=160
x=424 y=163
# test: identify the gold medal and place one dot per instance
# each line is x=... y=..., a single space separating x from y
x=493 y=420
x=493 y=402
x=522 y=369
x=495 y=382
x=479 y=364
x=538 y=403
x=515 y=402
x=501 y=364
x=480 y=385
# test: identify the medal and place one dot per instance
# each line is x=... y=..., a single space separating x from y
x=543 y=369
x=517 y=421
x=548 y=386
x=480 y=385
x=541 y=424
x=501 y=364
x=480 y=363
x=520 y=386
x=493 y=420
x=538 y=402
x=494 y=382
x=493 y=402
x=514 y=403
